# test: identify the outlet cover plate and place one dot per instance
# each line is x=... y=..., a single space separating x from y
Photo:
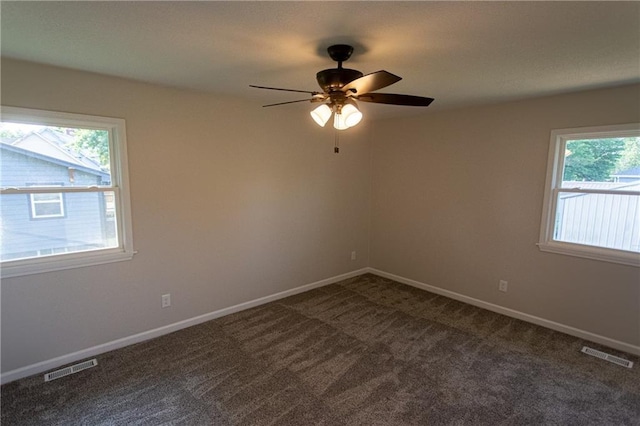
x=166 y=300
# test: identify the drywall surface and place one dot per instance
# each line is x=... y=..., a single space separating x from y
x=457 y=202
x=231 y=202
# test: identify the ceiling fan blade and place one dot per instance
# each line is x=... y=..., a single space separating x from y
x=285 y=90
x=289 y=102
x=371 y=82
x=393 y=99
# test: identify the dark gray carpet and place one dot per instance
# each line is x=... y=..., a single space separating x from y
x=365 y=351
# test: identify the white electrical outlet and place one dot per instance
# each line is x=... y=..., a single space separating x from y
x=353 y=255
x=503 y=286
x=166 y=300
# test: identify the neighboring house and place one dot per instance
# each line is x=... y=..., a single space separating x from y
x=49 y=223
x=629 y=175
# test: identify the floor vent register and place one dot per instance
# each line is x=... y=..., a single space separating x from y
x=70 y=370
x=607 y=357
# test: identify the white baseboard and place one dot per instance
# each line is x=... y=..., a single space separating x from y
x=47 y=365
x=572 y=331
x=50 y=364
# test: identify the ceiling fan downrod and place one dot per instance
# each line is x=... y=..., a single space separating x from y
x=340 y=53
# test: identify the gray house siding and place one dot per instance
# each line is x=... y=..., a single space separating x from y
x=83 y=225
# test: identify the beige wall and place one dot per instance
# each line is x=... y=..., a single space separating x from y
x=231 y=202
x=457 y=200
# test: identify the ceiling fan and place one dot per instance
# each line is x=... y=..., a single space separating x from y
x=342 y=87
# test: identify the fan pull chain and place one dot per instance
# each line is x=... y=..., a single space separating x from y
x=336 y=147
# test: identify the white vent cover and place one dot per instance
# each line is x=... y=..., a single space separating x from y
x=70 y=370
x=607 y=357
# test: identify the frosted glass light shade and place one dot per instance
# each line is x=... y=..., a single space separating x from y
x=338 y=122
x=321 y=114
x=351 y=115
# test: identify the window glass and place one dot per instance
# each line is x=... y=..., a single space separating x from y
x=600 y=219
x=59 y=197
x=87 y=226
x=607 y=163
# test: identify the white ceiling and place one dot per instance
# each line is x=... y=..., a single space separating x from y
x=461 y=53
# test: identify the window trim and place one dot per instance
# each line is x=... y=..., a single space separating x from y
x=119 y=185
x=33 y=202
x=555 y=167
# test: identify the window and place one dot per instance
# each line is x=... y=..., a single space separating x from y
x=592 y=195
x=46 y=205
x=64 y=199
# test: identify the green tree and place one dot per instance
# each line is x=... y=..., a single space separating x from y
x=95 y=142
x=592 y=160
x=11 y=133
x=630 y=157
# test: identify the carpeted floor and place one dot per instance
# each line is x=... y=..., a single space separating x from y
x=365 y=351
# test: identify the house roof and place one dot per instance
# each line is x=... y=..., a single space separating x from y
x=55 y=144
x=7 y=146
x=634 y=171
x=460 y=53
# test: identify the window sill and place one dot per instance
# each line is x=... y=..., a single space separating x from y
x=23 y=267
x=595 y=253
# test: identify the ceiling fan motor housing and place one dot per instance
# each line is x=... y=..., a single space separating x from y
x=341 y=87
x=334 y=78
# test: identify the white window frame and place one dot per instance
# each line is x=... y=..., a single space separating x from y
x=555 y=168
x=34 y=202
x=119 y=185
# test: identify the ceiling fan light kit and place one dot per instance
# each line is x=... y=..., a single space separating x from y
x=321 y=114
x=351 y=114
x=346 y=116
x=339 y=122
x=341 y=87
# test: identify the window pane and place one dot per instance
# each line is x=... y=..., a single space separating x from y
x=611 y=164
x=47 y=209
x=601 y=220
x=46 y=197
x=47 y=156
x=87 y=225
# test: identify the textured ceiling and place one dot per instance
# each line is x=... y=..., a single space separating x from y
x=461 y=53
